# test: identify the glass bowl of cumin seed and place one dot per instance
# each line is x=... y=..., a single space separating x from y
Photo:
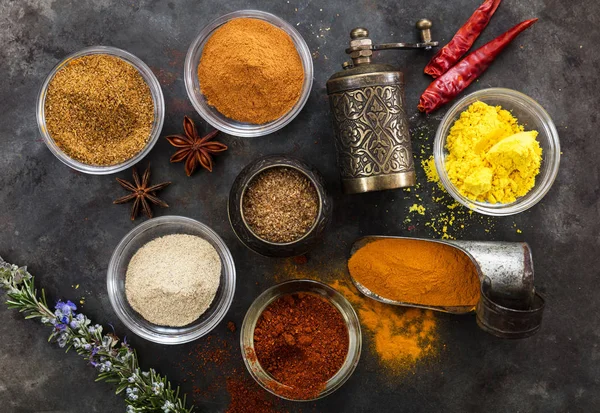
x=278 y=206
x=125 y=155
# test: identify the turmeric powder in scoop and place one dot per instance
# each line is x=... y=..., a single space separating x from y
x=416 y=272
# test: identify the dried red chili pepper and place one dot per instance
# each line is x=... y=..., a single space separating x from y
x=450 y=84
x=462 y=41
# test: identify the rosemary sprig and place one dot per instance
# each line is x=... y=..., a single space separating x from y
x=115 y=360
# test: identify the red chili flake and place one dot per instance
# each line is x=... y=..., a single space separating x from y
x=300 y=260
x=231 y=326
x=247 y=397
x=302 y=341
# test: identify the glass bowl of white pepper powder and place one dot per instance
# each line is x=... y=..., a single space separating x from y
x=278 y=206
x=171 y=280
x=100 y=110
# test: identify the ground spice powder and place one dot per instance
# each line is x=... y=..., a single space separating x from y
x=490 y=158
x=416 y=272
x=215 y=363
x=99 y=110
x=280 y=205
x=302 y=341
x=173 y=279
x=438 y=214
x=401 y=337
x=250 y=71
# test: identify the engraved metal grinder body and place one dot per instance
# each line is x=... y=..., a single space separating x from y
x=371 y=127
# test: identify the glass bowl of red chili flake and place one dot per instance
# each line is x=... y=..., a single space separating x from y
x=301 y=340
x=528 y=113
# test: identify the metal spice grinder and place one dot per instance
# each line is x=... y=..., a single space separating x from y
x=371 y=128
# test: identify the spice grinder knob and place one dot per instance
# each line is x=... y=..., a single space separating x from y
x=424 y=25
x=359 y=32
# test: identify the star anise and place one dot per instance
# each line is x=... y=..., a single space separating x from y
x=195 y=149
x=141 y=193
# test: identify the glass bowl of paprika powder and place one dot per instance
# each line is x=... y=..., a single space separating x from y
x=263 y=309
x=210 y=113
x=528 y=113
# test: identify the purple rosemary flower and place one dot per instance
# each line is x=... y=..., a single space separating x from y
x=65 y=308
x=60 y=326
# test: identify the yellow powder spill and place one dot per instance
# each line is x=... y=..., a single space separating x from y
x=490 y=158
x=400 y=336
x=430 y=171
x=442 y=217
x=419 y=209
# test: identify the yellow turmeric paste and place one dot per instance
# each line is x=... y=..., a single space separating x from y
x=416 y=272
x=490 y=157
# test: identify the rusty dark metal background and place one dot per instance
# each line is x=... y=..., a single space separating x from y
x=64 y=226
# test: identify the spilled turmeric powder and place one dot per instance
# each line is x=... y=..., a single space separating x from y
x=401 y=337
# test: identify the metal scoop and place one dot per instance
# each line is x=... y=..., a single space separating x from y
x=506 y=267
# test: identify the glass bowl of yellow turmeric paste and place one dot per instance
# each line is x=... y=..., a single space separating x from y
x=497 y=152
x=248 y=73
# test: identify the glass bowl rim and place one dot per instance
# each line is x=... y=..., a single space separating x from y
x=157 y=98
x=250 y=130
x=534 y=108
x=221 y=307
x=352 y=359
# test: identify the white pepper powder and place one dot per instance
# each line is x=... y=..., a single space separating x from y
x=172 y=280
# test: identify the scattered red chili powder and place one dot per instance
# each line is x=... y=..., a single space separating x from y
x=302 y=341
x=300 y=259
x=247 y=397
x=231 y=326
x=213 y=358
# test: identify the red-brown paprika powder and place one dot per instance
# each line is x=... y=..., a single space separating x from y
x=301 y=340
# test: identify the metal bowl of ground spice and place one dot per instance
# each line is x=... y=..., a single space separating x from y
x=278 y=206
x=171 y=280
x=497 y=152
x=100 y=110
x=301 y=340
x=248 y=73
